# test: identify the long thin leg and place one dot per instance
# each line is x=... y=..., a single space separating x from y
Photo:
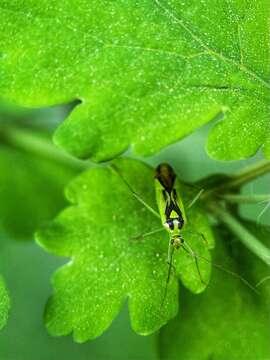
x=170 y=257
x=198 y=233
x=222 y=268
x=204 y=239
x=170 y=252
x=195 y=199
x=263 y=280
x=137 y=196
x=169 y=261
x=141 y=236
x=262 y=212
x=191 y=252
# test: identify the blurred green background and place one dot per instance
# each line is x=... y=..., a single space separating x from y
x=27 y=269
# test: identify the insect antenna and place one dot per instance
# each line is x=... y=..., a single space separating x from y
x=137 y=196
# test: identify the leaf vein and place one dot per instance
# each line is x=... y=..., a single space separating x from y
x=211 y=51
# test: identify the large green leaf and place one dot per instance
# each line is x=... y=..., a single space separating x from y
x=30 y=190
x=107 y=266
x=228 y=321
x=147 y=73
x=4 y=303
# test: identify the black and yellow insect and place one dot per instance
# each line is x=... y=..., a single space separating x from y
x=172 y=212
x=173 y=218
x=169 y=203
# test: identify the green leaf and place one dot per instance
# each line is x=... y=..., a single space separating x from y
x=147 y=73
x=4 y=303
x=228 y=321
x=30 y=190
x=107 y=266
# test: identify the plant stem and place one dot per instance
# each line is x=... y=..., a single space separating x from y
x=249 y=240
x=247 y=174
x=36 y=143
x=246 y=199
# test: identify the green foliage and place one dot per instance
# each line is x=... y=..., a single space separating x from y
x=4 y=303
x=147 y=73
x=227 y=321
x=31 y=187
x=143 y=75
x=30 y=190
x=107 y=265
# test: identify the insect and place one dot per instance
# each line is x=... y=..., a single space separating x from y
x=173 y=218
x=172 y=214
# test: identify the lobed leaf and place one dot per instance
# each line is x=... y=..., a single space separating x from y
x=107 y=265
x=147 y=73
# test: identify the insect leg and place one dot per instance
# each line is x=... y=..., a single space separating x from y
x=137 y=196
x=169 y=261
x=195 y=199
x=262 y=212
x=204 y=239
x=191 y=252
x=198 y=233
x=141 y=236
x=222 y=268
x=263 y=280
